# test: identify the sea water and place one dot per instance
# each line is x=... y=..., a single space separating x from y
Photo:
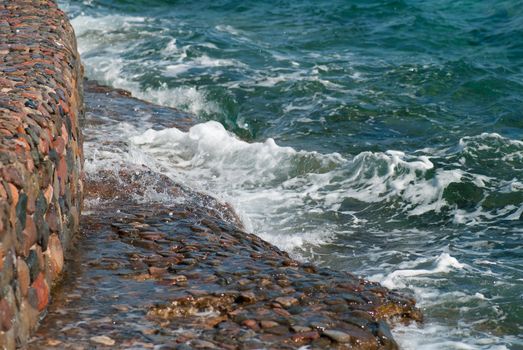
x=379 y=137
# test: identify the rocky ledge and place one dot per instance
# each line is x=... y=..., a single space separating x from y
x=185 y=274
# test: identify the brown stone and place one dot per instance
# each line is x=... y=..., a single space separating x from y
x=53 y=342
x=268 y=324
x=282 y=312
x=28 y=317
x=48 y=194
x=2 y=256
x=56 y=255
x=59 y=145
x=157 y=271
x=30 y=234
x=42 y=291
x=338 y=336
x=24 y=278
x=305 y=336
x=203 y=344
x=7 y=271
x=152 y=236
x=12 y=175
x=6 y=316
x=40 y=256
x=244 y=281
x=14 y=193
x=286 y=302
x=3 y=193
x=52 y=219
x=300 y=329
x=178 y=278
x=31 y=202
x=246 y=297
x=278 y=330
x=103 y=340
x=212 y=322
x=252 y=324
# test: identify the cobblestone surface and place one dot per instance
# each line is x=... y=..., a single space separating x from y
x=40 y=158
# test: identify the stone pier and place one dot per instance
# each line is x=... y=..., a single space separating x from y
x=41 y=159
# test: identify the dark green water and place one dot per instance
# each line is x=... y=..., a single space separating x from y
x=381 y=137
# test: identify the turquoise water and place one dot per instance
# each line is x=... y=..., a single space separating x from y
x=380 y=137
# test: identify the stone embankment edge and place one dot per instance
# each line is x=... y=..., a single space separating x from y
x=41 y=159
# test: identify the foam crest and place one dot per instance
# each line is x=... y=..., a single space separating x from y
x=391 y=177
x=283 y=76
x=105 y=24
x=209 y=147
x=493 y=150
x=187 y=98
x=369 y=177
x=227 y=29
x=182 y=65
x=444 y=263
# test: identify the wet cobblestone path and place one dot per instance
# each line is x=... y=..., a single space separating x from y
x=186 y=276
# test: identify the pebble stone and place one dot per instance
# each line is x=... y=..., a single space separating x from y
x=103 y=339
x=338 y=336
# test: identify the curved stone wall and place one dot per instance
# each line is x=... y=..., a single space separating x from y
x=40 y=158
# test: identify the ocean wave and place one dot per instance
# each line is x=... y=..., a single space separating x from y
x=265 y=180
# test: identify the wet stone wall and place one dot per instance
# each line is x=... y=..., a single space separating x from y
x=40 y=158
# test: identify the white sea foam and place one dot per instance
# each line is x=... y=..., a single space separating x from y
x=444 y=263
x=101 y=41
x=199 y=62
x=424 y=276
x=187 y=98
x=439 y=337
x=276 y=76
x=104 y=24
x=489 y=136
